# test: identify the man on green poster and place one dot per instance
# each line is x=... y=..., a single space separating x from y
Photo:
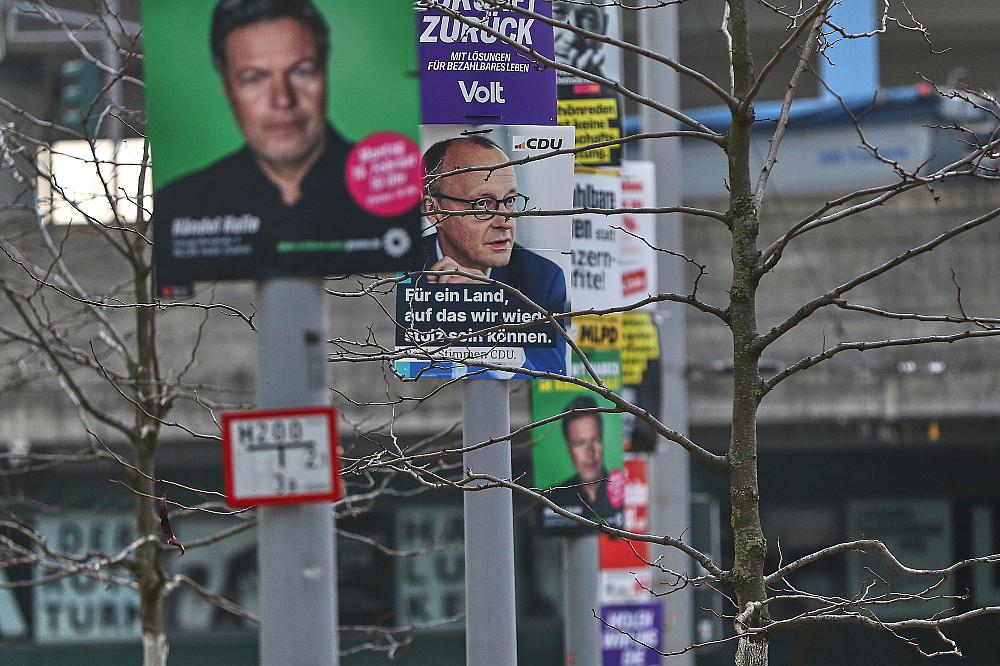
x=297 y=198
x=586 y=492
x=272 y=58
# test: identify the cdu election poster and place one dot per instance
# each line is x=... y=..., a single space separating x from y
x=283 y=138
x=471 y=74
x=478 y=223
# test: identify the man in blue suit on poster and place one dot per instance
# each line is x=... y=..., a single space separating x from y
x=483 y=243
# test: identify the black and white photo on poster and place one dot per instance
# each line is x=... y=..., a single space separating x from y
x=595 y=110
x=586 y=53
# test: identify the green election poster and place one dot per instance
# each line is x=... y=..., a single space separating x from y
x=283 y=136
x=579 y=458
x=372 y=78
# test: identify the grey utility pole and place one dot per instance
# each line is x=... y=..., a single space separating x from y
x=669 y=466
x=113 y=59
x=581 y=630
x=295 y=547
x=490 y=610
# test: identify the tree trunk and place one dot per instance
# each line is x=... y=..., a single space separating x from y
x=743 y=218
x=149 y=569
x=154 y=649
x=748 y=537
x=751 y=652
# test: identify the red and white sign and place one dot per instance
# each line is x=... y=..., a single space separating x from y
x=281 y=456
x=638 y=258
x=623 y=570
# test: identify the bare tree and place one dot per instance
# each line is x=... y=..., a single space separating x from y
x=95 y=331
x=98 y=336
x=121 y=371
x=756 y=594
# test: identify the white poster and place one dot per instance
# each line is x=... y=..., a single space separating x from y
x=465 y=320
x=638 y=258
x=86 y=608
x=430 y=576
x=596 y=275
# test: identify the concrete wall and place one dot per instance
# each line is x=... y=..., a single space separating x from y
x=854 y=384
x=874 y=383
x=222 y=370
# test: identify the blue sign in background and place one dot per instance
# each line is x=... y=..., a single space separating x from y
x=644 y=622
x=469 y=76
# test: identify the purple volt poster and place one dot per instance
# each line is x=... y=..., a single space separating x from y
x=643 y=622
x=468 y=76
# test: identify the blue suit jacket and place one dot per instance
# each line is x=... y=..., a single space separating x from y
x=540 y=280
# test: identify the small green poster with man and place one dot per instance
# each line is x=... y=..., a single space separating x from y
x=283 y=138
x=579 y=460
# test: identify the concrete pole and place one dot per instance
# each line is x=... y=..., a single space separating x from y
x=113 y=128
x=113 y=59
x=490 y=609
x=581 y=630
x=669 y=466
x=295 y=547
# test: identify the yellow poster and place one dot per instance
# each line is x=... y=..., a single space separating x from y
x=597 y=119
